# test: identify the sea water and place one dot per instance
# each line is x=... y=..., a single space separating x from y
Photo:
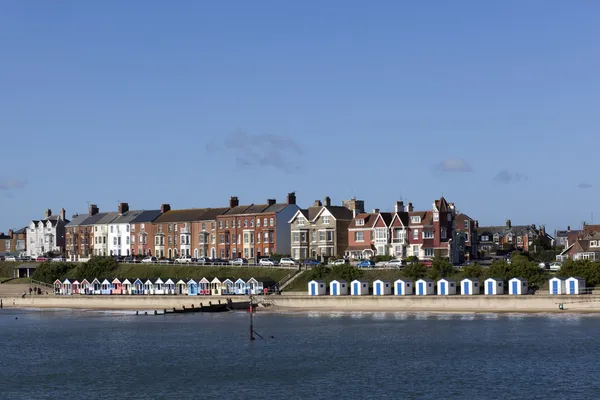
x=60 y=354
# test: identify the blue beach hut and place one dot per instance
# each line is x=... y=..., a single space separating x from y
x=138 y=286
x=338 y=288
x=403 y=287
x=493 y=286
x=192 y=288
x=240 y=286
x=517 y=286
x=424 y=287
x=317 y=288
x=382 y=288
x=446 y=287
x=105 y=287
x=469 y=286
x=556 y=286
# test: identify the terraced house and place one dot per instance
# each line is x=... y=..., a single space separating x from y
x=256 y=230
x=47 y=235
x=141 y=232
x=79 y=236
x=14 y=243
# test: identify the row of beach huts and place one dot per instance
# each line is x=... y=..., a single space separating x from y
x=445 y=287
x=158 y=286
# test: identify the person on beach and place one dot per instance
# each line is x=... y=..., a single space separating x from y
x=30 y=290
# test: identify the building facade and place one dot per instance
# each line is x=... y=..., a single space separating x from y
x=47 y=236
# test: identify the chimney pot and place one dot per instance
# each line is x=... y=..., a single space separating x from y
x=317 y=203
x=410 y=207
x=63 y=214
x=164 y=208
x=93 y=210
x=327 y=201
x=569 y=228
x=291 y=198
x=48 y=213
x=233 y=202
x=508 y=224
x=271 y=202
x=399 y=207
x=123 y=208
x=375 y=210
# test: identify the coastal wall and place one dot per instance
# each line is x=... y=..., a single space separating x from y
x=116 y=302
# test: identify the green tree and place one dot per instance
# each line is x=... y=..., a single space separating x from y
x=412 y=259
x=415 y=271
x=346 y=272
x=50 y=271
x=319 y=272
x=440 y=268
x=472 y=271
x=97 y=267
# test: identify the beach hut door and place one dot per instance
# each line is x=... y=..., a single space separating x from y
x=378 y=289
x=335 y=289
x=356 y=288
x=572 y=287
x=442 y=287
x=490 y=287
x=554 y=287
x=313 y=287
x=515 y=287
x=466 y=288
x=399 y=288
x=421 y=291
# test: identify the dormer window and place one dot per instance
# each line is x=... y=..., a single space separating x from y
x=415 y=219
x=360 y=222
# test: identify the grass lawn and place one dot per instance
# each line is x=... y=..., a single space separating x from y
x=301 y=283
x=145 y=271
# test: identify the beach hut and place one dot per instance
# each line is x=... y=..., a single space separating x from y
x=338 y=288
x=517 y=286
x=105 y=287
x=204 y=286
x=57 y=286
x=67 y=288
x=126 y=287
x=117 y=286
x=240 y=286
x=403 y=287
x=469 y=286
x=359 y=288
x=192 y=288
x=75 y=287
x=96 y=286
x=317 y=288
x=556 y=286
x=169 y=287
x=148 y=287
x=424 y=287
x=446 y=287
x=252 y=286
x=228 y=287
x=181 y=287
x=85 y=287
x=215 y=287
x=493 y=286
x=159 y=286
x=138 y=286
x=575 y=285
x=382 y=288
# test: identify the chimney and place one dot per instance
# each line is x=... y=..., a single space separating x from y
x=508 y=224
x=327 y=201
x=164 y=208
x=233 y=202
x=1 y=233
x=354 y=213
x=399 y=207
x=410 y=207
x=123 y=208
x=63 y=214
x=569 y=228
x=271 y=202
x=376 y=211
x=291 y=198
x=48 y=213
x=93 y=210
x=10 y=233
x=476 y=224
x=317 y=203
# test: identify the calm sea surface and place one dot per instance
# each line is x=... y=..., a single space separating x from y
x=101 y=355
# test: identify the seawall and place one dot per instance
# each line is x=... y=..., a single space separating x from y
x=116 y=302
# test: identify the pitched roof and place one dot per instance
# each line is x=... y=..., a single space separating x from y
x=146 y=216
x=275 y=208
x=340 y=212
x=94 y=219
x=247 y=209
x=387 y=217
x=78 y=220
x=21 y=231
x=106 y=218
x=369 y=219
x=191 y=214
x=502 y=230
x=441 y=204
x=426 y=217
x=127 y=217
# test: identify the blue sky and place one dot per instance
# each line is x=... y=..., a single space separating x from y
x=492 y=104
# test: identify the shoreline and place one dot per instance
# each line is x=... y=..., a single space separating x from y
x=478 y=304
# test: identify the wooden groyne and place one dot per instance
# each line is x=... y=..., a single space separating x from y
x=227 y=306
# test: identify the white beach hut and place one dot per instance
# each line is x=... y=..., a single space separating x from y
x=182 y=288
x=382 y=288
x=403 y=287
x=148 y=287
x=338 y=288
x=493 y=286
x=575 y=285
x=67 y=288
x=317 y=288
x=126 y=287
x=446 y=287
x=517 y=286
x=469 y=286
x=96 y=286
x=228 y=287
x=359 y=288
x=424 y=287
x=556 y=286
x=169 y=287
x=158 y=286
x=215 y=286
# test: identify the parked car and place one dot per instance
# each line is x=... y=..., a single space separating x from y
x=183 y=260
x=58 y=259
x=381 y=264
x=555 y=266
x=10 y=258
x=311 y=262
x=218 y=261
x=41 y=259
x=239 y=261
x=165 y=261
x=366 y=264
x=288 y=261
x=397 y=263
x=340 y=261
x=268 y=261
x=149 y=260
x=129 y=259
x=203 y=260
